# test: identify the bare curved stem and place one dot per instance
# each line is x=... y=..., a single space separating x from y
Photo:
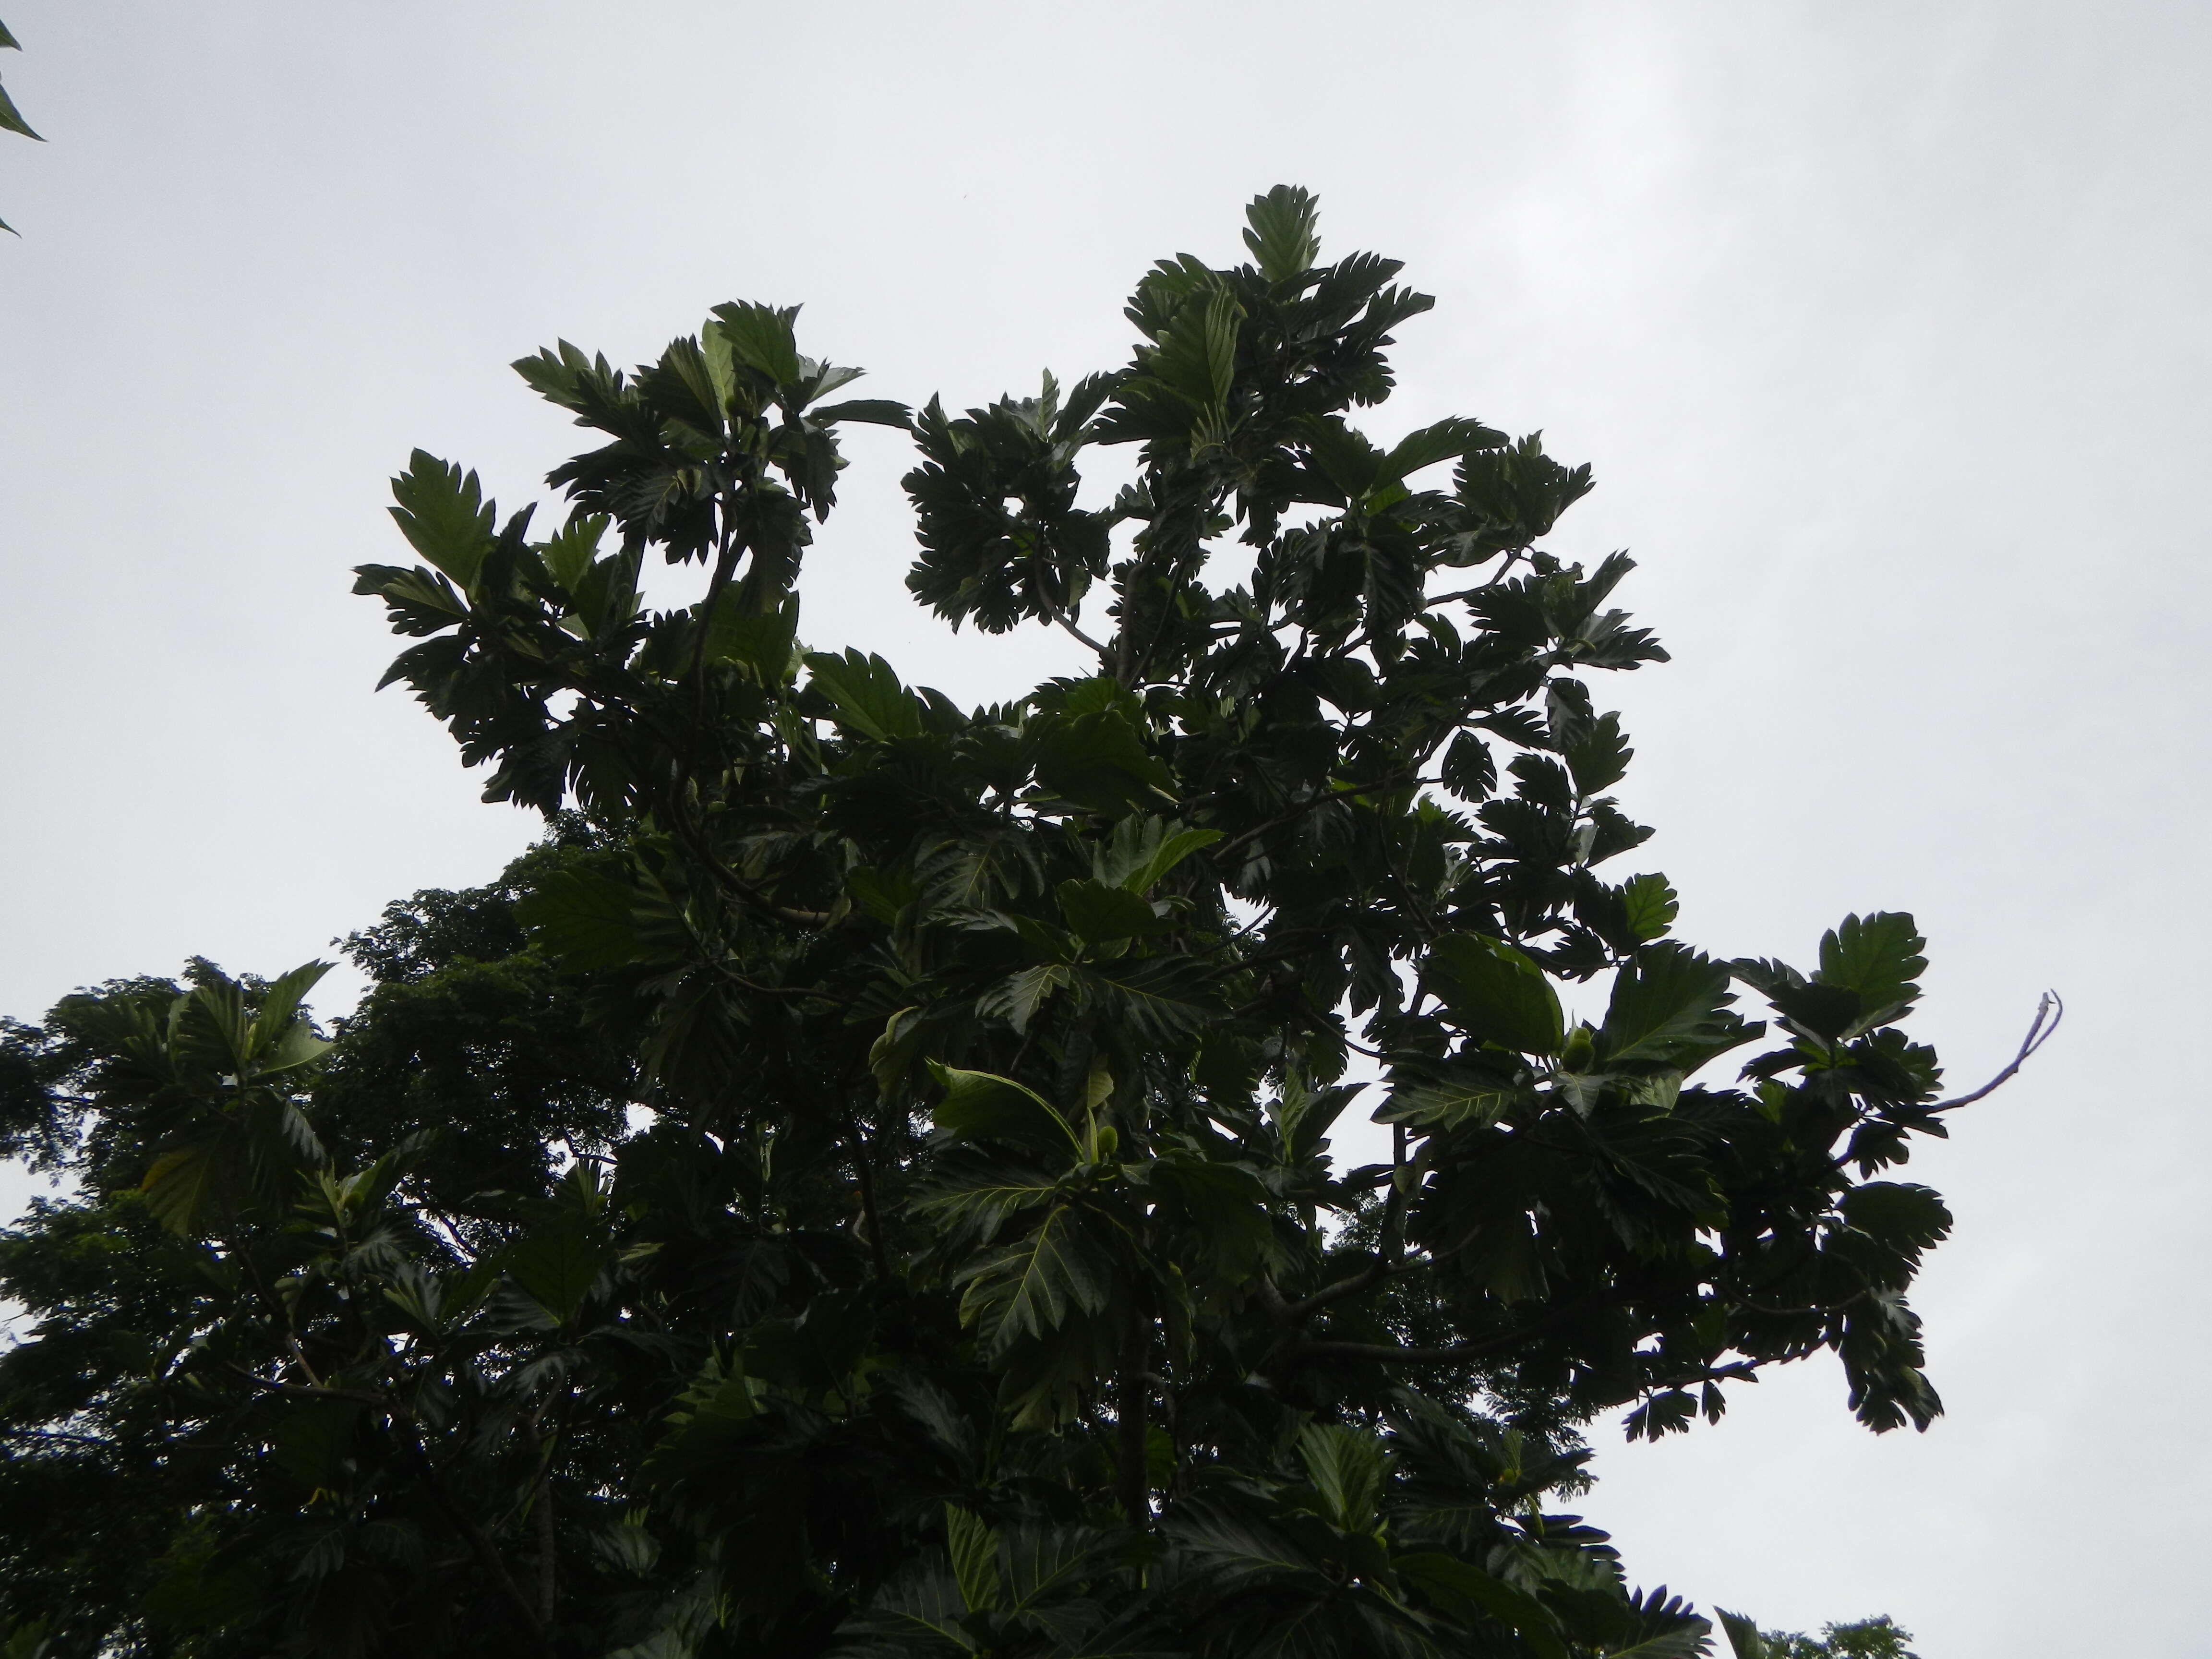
x=1512 y=557
x=1390 y=1353
x=2049 y=1011
x=1062 y=618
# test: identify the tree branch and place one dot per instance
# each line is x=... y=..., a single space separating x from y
x=541 y=1517
x=1496 y=577
x=1292 y=1313
x=1324 y=798
x=1736 y=1370
x=1062 y=618
x=2047 y=1006
x=480 y=1541
x=679 y=821
x=1456 y=1353
x=1818 y=1309
x=1132 y=1442
x=864 y=1178
x=797 y=993
x=52 y=1437
x=1390 y=1353
x=319 y=1391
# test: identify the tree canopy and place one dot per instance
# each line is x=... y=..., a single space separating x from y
x=863 y=1184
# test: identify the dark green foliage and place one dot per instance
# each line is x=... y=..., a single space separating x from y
x=863 y=1184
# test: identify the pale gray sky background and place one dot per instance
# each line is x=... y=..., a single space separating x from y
x=1884 y=326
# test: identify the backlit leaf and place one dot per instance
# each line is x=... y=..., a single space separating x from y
x=1496 y=993
x=980 y=1106
x=443 y=514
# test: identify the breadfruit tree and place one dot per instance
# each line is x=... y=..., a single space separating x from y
x=863 y=1185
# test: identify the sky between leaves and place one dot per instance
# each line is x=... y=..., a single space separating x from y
x=1882 y=327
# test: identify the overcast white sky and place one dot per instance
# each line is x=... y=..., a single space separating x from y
x=1884 y=326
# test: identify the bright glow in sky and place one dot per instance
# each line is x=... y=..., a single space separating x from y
x=1885 y=327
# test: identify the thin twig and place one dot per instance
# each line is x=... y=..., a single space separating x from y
x=1496 y=577
x=1323 y=798
x=1366 y=1279
x=1736 y=1370
x=801 y=992
x=54 y=1436
x=301 y=1391
x=1390 y=1353
x=1819 y=1309
x=1067 y=622
x=448 y=1232
x=1351 y=1041
x=721 y=872
x=2049 y=1007
x=865 y=1179
x=1295 y=1313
